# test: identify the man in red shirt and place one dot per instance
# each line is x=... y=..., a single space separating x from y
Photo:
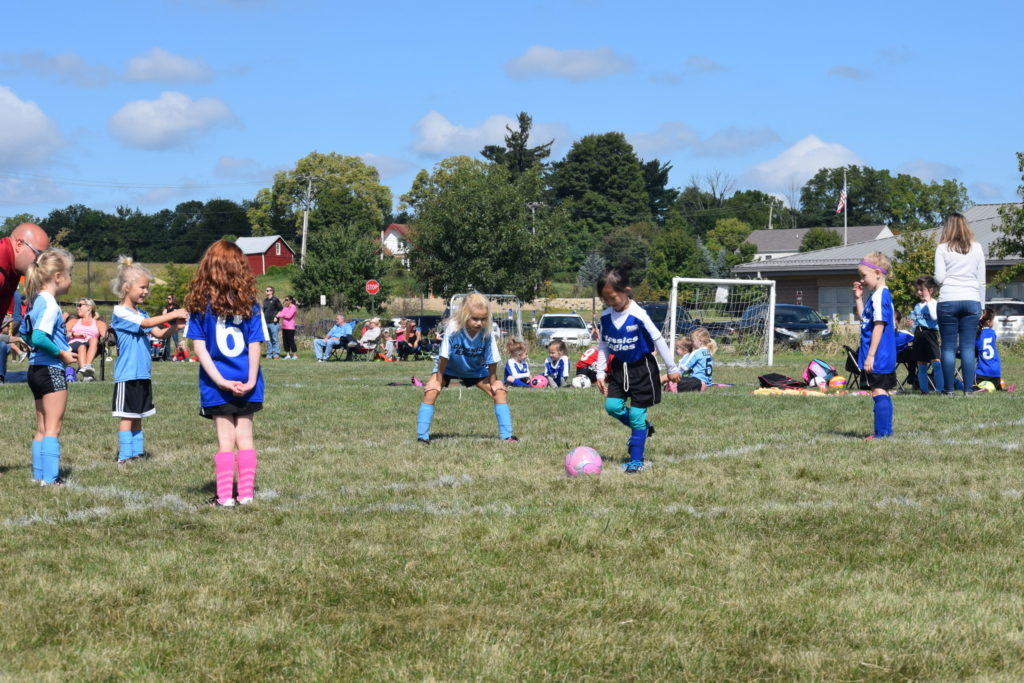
x=17 y=252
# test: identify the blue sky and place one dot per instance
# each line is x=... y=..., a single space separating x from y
x=146 y=103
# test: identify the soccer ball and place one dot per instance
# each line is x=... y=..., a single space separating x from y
x=539 y=382
x=986 y=386
x=581 y=381
x=837 y=383
x=582 y=460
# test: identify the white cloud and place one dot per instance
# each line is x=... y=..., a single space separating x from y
x=798 y=163
x=244 y=169
x=436 y=136
x=699 y=64
x=25 y=191
x=667 y=137
x=27 y=135
x=69 y=69
x=572 y=65
x=160 y=66
x=185 y=187
x=388 y=167
x=168 y=121
x=929 y=171
x=734 y=141
x=986 y=191
x=851 y=72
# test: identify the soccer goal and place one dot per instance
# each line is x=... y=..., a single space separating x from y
x=739 y=314
x=506 y=313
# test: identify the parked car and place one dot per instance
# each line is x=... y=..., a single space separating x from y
x=794 y=324
x=722 y=332
x=1009 y=323
x=568 y=327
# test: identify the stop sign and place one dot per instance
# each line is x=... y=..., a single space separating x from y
x=372 y=286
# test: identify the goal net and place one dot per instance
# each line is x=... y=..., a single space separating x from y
x=506 y=313
x=739 y=314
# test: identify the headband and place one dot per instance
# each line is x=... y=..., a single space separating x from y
x=875 y=266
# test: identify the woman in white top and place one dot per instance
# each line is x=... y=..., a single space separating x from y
x=960 y=270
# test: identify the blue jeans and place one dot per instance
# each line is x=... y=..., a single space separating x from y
x=322 y=348
x=958 y=324
x=273 y=343
x=3 y=360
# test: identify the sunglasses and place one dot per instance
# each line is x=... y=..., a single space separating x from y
x=35 y=251
x=80 y=305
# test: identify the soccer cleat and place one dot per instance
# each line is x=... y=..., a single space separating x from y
x=422 y=440
x=633 y=467
x=245 y=501
x=874 y=437
x=58 y=482
x=215 y=502
x=511 y=439
x=416 y=381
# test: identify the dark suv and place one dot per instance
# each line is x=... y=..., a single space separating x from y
x=794 y=324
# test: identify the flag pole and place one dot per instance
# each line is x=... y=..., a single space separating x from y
x=846 y=209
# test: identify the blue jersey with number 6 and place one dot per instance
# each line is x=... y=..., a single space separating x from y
x=227 y=341
x=988 y=355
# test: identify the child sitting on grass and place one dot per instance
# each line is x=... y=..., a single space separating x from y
x=697 y=366
x=556 y=366
x=989 y=365
x=517 y=367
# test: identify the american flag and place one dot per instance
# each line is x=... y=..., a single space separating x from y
x=842 y=201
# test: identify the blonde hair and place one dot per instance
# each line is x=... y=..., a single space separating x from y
x=91 y=304
x=473 y=302
x=957 y=233
x=52 y=261
x=515 y=346
x=880 y=260
x=128 y=271
x=701 y=337
x=686 y=342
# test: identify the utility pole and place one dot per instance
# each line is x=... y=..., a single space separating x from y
x=533 y=214
x=771 y=207
x=305 y=214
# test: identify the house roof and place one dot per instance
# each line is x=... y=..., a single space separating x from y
x=983 y=218
x=790 y=239
x=259 y=245
x=401 y=228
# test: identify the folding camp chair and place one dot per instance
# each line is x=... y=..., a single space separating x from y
x=908 y=362
x=852 y=367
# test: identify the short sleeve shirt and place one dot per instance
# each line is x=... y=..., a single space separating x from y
x=468 y=356
x=46 y=316
x=227 y=341
x=134 y=360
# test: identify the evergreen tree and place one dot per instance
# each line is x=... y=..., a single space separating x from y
x=517 y=156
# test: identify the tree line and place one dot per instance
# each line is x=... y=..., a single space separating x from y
x=510 y=219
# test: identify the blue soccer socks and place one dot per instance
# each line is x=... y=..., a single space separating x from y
x=138 y=442
x=37 y=460
x=124 y=445
x=504 y=415
x=637 y=441
x=937 y=377
x=423 y=420
x=50 y=455
x=883 y=416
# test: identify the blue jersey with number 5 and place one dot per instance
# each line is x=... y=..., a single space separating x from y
x=988 y=355
x=227 y=341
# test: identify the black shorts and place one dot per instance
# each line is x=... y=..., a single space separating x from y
x=926 y=345
x=872 y=380
x=76 y=343
x=689 y=384
x=637 y=381
x=46 y=379
x=133 y=399
x=231 y=408
x=466 y=381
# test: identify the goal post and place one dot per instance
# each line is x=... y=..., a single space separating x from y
x=739 y=314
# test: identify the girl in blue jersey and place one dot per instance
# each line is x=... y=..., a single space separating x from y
x=699 y=364
x=44 y=329
x=517 y=367
x=989 y=366
x=877 y=354
x=227 y=327
x=927 y=351
x=556 y=365
x=469 y=353
x=133 y=387
x=627 y=332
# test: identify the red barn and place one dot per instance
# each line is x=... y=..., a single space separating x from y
x=264 y=252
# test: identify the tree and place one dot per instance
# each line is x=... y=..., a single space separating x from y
x=586 y=277
x=675 y=252
x=1011 y=243
x=516 y=155
x=601 y=185
x=472 y=229
x=11 y=222
x=660 y=196
x=914 y=257
x=629 y=246
x=730 y=236
x=176 y=280
x=278 y=210
x=339 y=260
x=820 y=238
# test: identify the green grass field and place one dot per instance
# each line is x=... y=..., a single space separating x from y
x=768 y=540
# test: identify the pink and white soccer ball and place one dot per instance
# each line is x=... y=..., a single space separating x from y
x=582 y=460
x=539 y=382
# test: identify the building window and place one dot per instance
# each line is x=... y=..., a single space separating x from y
x=277 y=248
x=836 y=300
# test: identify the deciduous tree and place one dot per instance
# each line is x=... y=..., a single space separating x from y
x=820 y=238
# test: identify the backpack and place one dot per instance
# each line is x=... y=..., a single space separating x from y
x=777 y=381
x=818 y=368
